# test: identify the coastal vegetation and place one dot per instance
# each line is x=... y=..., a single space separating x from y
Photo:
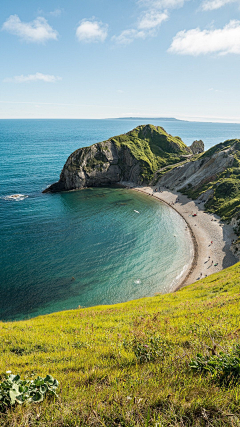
x=14 y=391
x=149 y=155
x=136 y=155
x=223 y=189
x=169 y=360
x=153 y=147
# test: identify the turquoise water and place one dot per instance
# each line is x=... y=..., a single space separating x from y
x=89 y=247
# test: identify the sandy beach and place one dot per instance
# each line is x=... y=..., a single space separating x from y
x=211 y=237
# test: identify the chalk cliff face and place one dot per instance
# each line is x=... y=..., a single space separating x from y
x=214 y=179
x=149 y=155
x=198 y=172
x=133 y=156
x=98 y=165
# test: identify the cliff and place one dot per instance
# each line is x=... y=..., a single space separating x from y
x=214 y=179
x=134 y=156
x=149 y=155
x=197 y=147
x=194 y=175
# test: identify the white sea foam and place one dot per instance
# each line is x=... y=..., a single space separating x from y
x=16 y=197
x=176 y=281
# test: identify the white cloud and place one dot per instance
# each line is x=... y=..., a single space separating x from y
x=48 y=78
x=147 y=26
x=127 y=36
x=196 y=42
x=151 y=19
x=215 y=90
x=56 y=12
x=161 y=4
x=156 y=12
x=215 y=4
x=36 y=31
x=92 y=31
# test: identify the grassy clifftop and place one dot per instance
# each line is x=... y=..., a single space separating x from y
x=128 y=364
x=134 y=156
x=153 y=147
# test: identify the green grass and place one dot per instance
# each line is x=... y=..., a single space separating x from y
x=99 y=357
x=222 y=146
x=150 y=145
x=153 y=147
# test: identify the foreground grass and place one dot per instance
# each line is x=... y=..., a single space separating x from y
x=103 y=383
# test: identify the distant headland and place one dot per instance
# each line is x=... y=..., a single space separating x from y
x=166 y=119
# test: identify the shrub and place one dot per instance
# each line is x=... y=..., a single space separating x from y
x=224 y=367
x=148 y=349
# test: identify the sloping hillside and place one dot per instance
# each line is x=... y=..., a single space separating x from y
x=130 y=364
x=214 y=179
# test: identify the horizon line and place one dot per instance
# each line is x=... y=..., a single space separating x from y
x=189 y=119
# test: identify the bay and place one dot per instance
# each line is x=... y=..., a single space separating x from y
x=88 y=247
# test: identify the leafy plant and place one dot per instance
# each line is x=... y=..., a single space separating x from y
x=148 y=349
x=14 y=390
x=224 y=367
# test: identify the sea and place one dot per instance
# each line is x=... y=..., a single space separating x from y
x=90 y=247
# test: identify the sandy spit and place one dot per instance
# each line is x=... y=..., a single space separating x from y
x=211 y=237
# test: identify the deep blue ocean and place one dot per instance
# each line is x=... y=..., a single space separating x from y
x=85 y=248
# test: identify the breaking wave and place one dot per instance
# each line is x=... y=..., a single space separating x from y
x=16 y=197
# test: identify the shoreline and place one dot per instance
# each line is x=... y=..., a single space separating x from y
x=211 y=237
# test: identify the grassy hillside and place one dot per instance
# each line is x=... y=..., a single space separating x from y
x=153 y=147
x=129 y=364
x=225 y=198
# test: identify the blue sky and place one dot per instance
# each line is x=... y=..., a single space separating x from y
x=117 y=58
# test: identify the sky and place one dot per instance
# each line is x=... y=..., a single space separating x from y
x=93 y=59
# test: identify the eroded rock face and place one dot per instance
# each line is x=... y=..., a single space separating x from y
x=235 y=249
x=235 y=223
x=98 y=165
x=133 y=156
x=197 y=147
x=198 y=172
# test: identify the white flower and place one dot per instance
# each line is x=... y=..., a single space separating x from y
x=8 y=372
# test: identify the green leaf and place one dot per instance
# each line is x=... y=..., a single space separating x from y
x=38 y=397
x=13 y=394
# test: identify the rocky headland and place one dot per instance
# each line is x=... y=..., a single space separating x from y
x=148 y=155
x=134 y=156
